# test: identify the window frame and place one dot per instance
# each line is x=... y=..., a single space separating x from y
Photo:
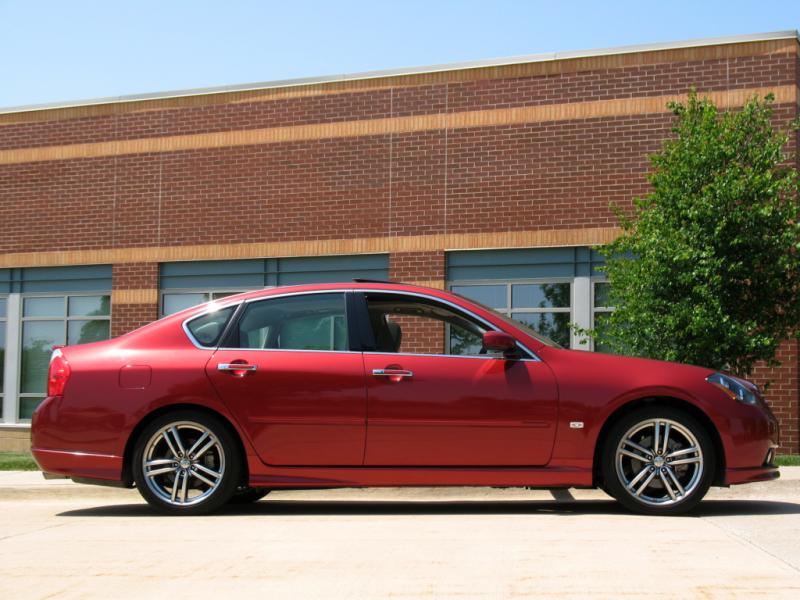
x=509 y=310
x=4 y=326
x=65 y=319
x=605 y=310
x=226 y=337
x=365 y=326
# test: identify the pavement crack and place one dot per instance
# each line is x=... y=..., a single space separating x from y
x=23 y=533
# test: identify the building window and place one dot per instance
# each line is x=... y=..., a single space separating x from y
x=545 y=306
x=55 y=320
x=172 y=302
x=3 y=318
x=600 y=310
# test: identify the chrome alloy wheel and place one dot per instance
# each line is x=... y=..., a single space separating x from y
x=183 y=463
x=659 y=462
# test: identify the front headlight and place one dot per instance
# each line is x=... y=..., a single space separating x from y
x=735 y=388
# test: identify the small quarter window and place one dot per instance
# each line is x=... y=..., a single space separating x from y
x=208 y=328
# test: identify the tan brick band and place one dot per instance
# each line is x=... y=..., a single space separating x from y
x=141 y=296
x=393 y=125
x=419 y=243
x=368 y=84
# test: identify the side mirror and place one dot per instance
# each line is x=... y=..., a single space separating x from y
x=499 y=343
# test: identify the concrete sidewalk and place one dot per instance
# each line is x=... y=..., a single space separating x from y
x=61 y=539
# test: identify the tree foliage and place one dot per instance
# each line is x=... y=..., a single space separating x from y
x=707 y=270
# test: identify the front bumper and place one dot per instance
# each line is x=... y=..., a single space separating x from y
x=751 y=475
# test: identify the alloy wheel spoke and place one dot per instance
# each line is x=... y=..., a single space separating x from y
x=162 y=471
x=175 y=485
x=178 y=441
x=184 y=489
x=666 y=439
x=666 y=484
x=207 y=471
x=677 y=483
x=172 y=449
x=636 y=479
x=645 y=484
x=197 y=443
x=157 y=462
x=203 y=478
x=655 y=437
x=686 y=461
x=203 y=450
x=636 y=446
x=633 y=455
x=682 y=452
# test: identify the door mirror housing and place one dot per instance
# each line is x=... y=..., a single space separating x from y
x=498 y=342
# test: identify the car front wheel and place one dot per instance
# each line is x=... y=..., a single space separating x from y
x=186 y=463
x=658 y=461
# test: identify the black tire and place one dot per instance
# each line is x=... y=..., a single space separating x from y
x=222 y=458
x=623 y=475
x=248 y=495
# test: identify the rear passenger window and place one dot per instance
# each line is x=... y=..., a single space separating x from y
x=303 y=322
x=208 y=328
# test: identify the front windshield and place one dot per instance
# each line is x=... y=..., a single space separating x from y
x=513 y=322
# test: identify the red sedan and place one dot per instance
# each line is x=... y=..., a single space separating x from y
x=382 y=384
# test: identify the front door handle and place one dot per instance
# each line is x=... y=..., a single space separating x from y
x=392 y=374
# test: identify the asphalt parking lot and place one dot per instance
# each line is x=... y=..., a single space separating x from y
x=58 y=539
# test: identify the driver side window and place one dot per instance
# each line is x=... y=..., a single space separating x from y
x=410 y=324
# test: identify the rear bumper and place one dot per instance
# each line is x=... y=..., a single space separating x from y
x=82 y=465
x=751 y=475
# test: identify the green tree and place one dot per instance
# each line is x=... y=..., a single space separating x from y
x=707 y=270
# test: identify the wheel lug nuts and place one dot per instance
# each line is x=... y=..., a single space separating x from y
x=652 y=468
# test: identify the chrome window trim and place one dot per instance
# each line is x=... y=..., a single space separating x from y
x=533 y=357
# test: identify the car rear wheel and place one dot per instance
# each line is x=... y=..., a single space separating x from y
x=186 y=463
x=658 y=461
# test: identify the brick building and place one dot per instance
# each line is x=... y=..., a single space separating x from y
x=491 y=178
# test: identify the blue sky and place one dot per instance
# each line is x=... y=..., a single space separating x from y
x=52 y=51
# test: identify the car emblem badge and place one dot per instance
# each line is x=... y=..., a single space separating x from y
x=576 y=424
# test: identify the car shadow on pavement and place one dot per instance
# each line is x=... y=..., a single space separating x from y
x=708 y=508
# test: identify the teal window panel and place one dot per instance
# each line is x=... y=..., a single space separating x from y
x=84 y=278
x=331 y=269
x=525 y=263
x=203 y=274
x=259 y=273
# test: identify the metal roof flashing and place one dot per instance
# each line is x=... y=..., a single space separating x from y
x=477 y=64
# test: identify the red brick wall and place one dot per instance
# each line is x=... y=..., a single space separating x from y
x=782 y=393
x=419 y=335
x=127 y=316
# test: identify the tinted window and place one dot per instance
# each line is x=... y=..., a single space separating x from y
x=207 y=329
x=306 y=322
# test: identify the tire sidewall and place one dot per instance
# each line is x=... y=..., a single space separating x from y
x=608 y=465
x=230 y=478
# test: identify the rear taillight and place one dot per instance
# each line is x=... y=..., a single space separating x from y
x=58 y=375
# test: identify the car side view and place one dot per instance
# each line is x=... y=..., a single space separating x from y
x=382 y=384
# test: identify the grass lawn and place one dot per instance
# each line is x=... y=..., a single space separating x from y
x=17 y=461
x=788 y=460
x=22 y=461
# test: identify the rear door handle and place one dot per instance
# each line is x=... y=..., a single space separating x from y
x=392 y=373
x=236 y=367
